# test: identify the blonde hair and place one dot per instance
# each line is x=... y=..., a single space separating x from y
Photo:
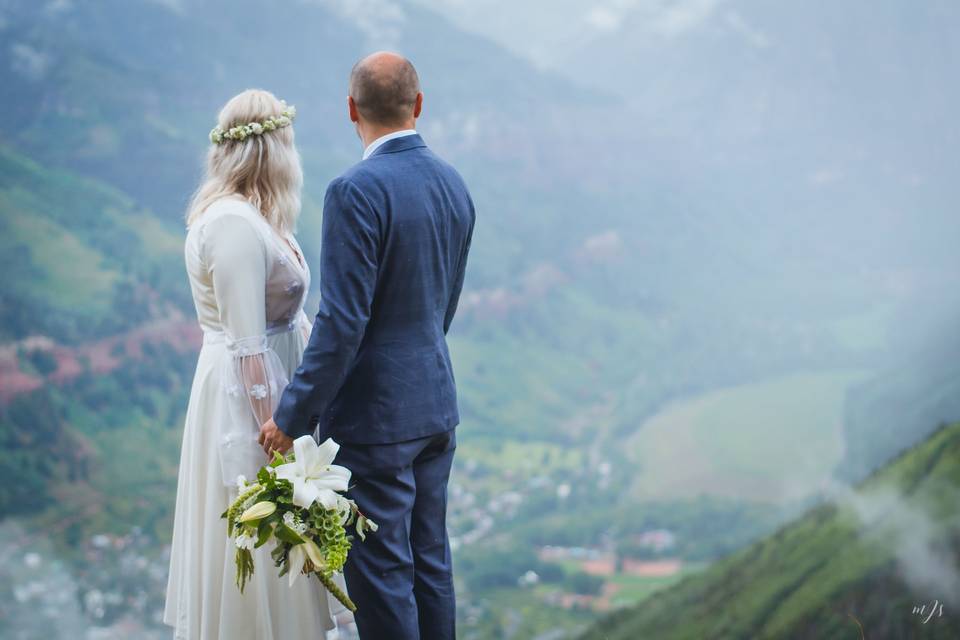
x=262 y=169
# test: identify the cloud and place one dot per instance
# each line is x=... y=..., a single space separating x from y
x=677 y=18
x=381 y=21
x=665 y=18
x=604 y=19
x=602 y=247
x=29 y=62
x=56 y=7
x=175 y=6
x=825 y=176
x=754 y=37
x=923 y=554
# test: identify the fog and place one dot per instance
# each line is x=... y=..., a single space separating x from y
x=923 y=556
x=714 y=273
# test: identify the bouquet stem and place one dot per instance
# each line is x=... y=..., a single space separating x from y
x=337 y=592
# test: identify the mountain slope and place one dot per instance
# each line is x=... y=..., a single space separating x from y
x=80 y=259
x=128 y=90
x=96 y=345
x=867 y=558
x=124 y=92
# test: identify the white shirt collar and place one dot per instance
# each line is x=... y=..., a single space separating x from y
x=376 y=144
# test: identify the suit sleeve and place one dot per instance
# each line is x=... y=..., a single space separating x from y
x=458 y=281
x=348 y=275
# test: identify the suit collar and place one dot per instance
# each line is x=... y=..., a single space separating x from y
x=396 y=145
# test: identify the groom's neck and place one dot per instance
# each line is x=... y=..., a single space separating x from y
x=371 y=132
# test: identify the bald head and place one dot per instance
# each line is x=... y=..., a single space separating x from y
x=384 y=87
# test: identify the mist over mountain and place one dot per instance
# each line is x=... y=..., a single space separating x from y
x=880 y=561
x=705 y=229
x=816 y=144
x=828 y=129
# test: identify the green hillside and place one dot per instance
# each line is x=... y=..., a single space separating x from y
x=96 y=358
x=865 y=559
x=80 y=259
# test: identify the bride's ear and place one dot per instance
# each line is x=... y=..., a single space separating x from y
x=352 y=107
x=418 y=105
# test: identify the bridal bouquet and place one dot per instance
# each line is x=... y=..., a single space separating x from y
x=296 y=502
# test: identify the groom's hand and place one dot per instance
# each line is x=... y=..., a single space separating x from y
x=272 y=439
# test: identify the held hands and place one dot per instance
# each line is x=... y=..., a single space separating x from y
x=272 y=439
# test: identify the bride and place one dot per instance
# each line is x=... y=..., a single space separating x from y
x=248 y=279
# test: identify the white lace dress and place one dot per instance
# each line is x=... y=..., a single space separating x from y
x=248 y=286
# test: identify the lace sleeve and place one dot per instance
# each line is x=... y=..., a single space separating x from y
x=255 y=375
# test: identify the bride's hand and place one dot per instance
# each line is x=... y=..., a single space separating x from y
x=272 y=439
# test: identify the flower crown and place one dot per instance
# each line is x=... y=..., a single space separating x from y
x=243 y=131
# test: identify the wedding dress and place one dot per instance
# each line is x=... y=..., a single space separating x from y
x=248 y=285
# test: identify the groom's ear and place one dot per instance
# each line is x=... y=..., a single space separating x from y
x=352 y=107
x=418 y=105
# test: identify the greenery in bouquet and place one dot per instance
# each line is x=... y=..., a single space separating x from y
x=297 y=503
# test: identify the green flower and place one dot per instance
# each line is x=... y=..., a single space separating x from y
x=256 y=128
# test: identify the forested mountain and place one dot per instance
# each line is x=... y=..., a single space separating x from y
x=705 y=213
x=855 y=567
x=81 y=259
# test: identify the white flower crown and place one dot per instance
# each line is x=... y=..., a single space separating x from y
x=243 y=131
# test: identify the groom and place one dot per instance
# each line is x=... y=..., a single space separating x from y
x=376 y=375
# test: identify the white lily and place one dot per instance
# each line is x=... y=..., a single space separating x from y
x=299 y=554
x=258 y=511
x=313 y=475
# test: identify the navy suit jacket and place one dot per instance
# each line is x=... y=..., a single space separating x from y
x=396 y=232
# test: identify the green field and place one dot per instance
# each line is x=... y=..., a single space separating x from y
x=772 y=440
x=633 y=590
x=67 y=273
